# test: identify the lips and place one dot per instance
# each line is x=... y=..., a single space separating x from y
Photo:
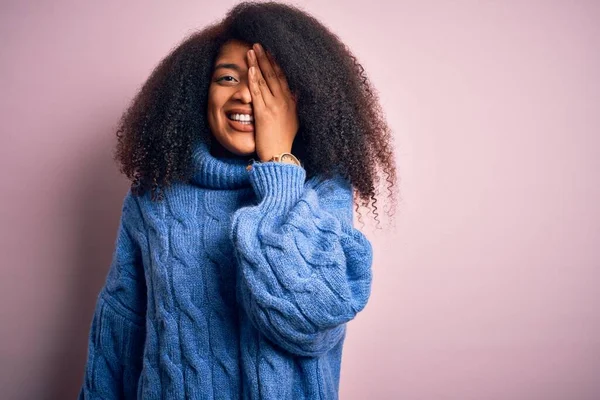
x=238 y=126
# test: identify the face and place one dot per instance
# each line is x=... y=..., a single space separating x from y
x=229 y=100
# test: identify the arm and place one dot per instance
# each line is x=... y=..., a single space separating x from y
x=117 y=333
x=303 y=270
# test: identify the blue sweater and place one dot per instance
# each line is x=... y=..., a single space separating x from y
x=238 y=285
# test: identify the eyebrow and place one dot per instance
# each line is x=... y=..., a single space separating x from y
x=228 y=66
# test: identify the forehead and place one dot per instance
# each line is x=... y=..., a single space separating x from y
x=233 y=50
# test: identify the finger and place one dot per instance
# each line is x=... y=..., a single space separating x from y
x=267 y=70
x=280 y=75
x=283 y=83
x=258 y=81
x=258 y=102
x=257 y=98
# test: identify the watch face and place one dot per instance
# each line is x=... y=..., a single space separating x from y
x=288 y=158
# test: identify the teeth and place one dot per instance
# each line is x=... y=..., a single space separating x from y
x=241 y=117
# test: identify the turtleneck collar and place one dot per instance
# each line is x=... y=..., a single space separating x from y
x=218 y=172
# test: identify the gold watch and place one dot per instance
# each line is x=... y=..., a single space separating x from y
x=287 y=158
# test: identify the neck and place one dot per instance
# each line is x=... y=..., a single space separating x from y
x=217 y=150
x=223 y=171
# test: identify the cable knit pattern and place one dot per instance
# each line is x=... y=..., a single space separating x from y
x=238 y=285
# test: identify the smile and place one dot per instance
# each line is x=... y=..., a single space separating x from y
x=240 y=117
x=244 y=126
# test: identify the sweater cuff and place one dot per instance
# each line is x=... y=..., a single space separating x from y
x=277 y=185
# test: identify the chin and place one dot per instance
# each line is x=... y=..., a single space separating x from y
x=242 y=149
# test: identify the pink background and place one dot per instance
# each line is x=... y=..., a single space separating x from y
x=487 y=288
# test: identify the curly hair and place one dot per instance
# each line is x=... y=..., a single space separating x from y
x=342 y=128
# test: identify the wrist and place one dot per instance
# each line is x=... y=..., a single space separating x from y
x=268 y=155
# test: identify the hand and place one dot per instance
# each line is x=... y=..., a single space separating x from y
x=275 y=115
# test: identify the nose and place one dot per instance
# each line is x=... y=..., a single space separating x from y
x=243 y=93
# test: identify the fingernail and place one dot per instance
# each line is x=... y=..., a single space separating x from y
x=258 y=48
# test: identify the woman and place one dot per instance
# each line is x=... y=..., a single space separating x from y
x=236 y=265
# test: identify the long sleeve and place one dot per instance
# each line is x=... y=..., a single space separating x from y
x=303 y=270
x=117 y=333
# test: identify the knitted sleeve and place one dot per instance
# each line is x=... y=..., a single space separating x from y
x=117 y=333
x=303 y=270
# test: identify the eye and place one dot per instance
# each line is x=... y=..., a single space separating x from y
x=226 y=80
